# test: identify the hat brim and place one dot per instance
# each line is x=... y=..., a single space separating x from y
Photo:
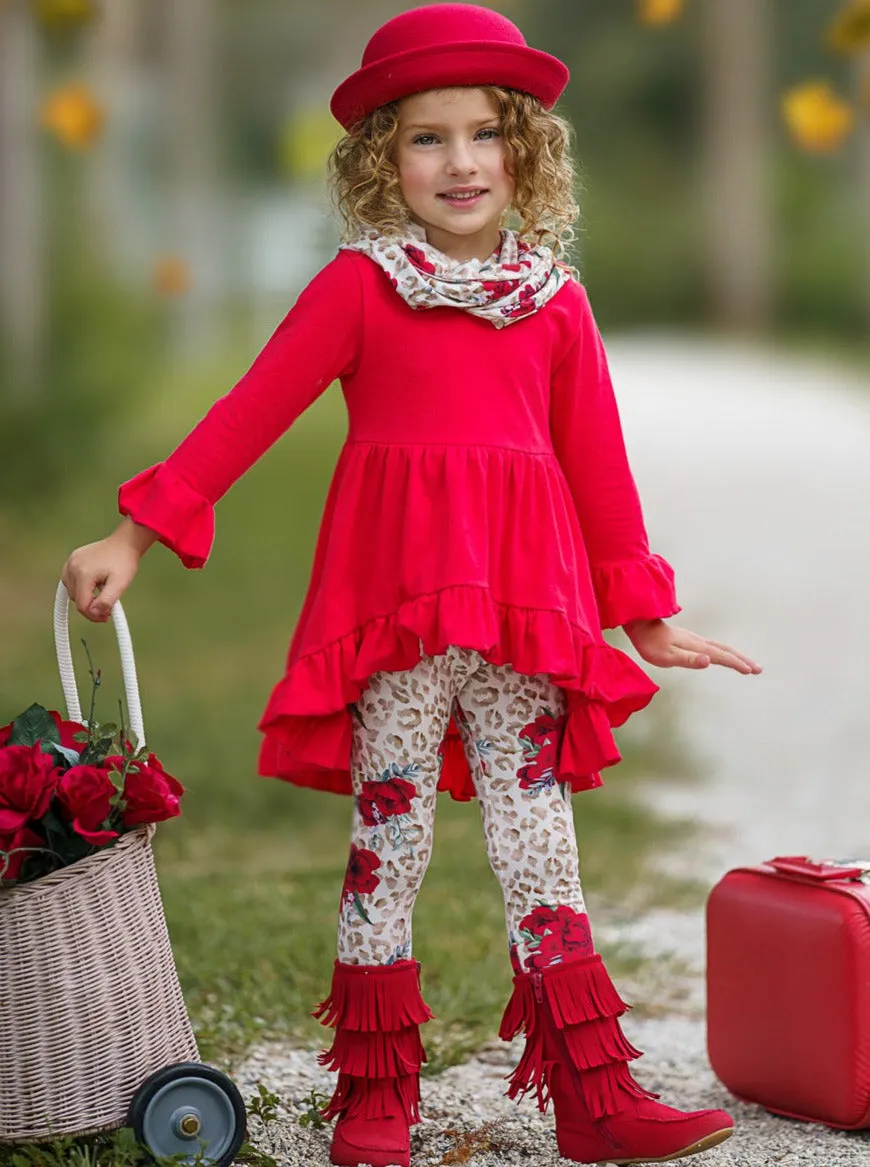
x=474 y=63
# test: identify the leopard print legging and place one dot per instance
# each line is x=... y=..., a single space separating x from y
x=510 y=726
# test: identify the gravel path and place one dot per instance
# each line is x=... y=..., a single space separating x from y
x=754 y=474
x=755 y=478
x=469 y=1101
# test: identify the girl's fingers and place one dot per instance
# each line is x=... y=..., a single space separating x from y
x=684 y=658
x=728 y=661
x=733 y=659
x=102 y=604
x=688 y=650
x=81 y=591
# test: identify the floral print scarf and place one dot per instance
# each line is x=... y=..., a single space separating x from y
x=514 y=282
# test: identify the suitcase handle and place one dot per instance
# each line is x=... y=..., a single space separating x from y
x=823 y=872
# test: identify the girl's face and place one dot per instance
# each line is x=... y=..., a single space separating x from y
x=451 y=161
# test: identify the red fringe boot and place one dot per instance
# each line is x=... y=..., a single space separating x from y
x=376 y=1011
x=577 y=1054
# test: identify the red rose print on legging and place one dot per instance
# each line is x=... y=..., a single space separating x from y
x=385 y=802
x=555 y=935
x=540 y=740
x=383 y=798
x=360 y=878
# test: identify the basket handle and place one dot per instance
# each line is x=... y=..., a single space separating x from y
x=67 y=671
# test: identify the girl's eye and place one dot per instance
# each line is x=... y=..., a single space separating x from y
x=487 y=134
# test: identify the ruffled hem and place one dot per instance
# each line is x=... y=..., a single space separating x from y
x=634 y=589
x=182 y=518
x=308 y=721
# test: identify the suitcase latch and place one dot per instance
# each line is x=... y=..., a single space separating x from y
x=824 y=870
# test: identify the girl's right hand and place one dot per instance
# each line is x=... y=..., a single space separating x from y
x=98 y=574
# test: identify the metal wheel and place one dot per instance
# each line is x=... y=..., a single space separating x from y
x=189 y=1108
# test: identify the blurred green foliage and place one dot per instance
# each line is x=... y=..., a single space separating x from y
x=100 y=347
x=636 y=101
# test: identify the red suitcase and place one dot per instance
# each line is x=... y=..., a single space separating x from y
x=788 y=988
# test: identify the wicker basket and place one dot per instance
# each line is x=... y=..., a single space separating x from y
x=90 y=1003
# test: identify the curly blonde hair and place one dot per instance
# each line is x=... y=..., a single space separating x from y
x=365 y=179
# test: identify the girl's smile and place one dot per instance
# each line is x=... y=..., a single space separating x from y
x=463 y=197
x=451 y=160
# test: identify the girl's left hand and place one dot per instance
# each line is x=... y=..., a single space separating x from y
x=661 y=644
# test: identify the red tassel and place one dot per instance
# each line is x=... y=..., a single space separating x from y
x=596 y=1043
x=374 y=998
x=573 y=1017
x=375 y=1098
x=376 y=1011
x=530 y=1071
x=533 y=1074
x=519 y=1014
x=581 y=990
x=606 y=1089
x=375 y=1055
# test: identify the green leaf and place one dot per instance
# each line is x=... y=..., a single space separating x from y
x=62 y=753
x=54 y=826
x=33 y=725
x=357 y=903
x=117 y=778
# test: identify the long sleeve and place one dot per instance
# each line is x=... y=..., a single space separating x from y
x=631 y=583
x=317 y=341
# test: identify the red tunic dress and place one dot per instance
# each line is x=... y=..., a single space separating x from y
x=482 y=499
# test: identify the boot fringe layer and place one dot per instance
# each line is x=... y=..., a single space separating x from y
x=577 y=991
x=375 y=1098
x=607 y=1088
x=374 y=998
x=584 y=1008
x=376 y=1011
x=375 y=1055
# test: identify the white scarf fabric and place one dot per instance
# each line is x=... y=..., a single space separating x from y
x=514 y=282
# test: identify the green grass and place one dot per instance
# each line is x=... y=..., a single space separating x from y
x=251 y=872
x=255 y=952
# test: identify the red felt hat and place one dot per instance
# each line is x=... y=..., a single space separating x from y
x=442 y=45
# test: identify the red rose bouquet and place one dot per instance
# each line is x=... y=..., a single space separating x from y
x=67 y=790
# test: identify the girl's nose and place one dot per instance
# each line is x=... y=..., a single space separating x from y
x=460 y=159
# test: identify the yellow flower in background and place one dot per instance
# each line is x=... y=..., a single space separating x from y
x=73 y=116
x=849 y=31
x=659 y=11
x=817 y=119
x=171 y=276
x=61 y=14
x=306 y=141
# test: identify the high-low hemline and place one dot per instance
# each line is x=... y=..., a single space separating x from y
x=308 y=721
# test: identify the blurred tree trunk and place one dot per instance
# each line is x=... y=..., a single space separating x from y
x=22 y=291
x=863 y=182
x=737 y=40
x=113 y=63
x=190 y=47
x=349 y=27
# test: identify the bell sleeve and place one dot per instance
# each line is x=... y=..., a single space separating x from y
x=630 y=582
x=317 y=341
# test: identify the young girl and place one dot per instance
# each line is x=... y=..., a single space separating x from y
x=481 y=529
